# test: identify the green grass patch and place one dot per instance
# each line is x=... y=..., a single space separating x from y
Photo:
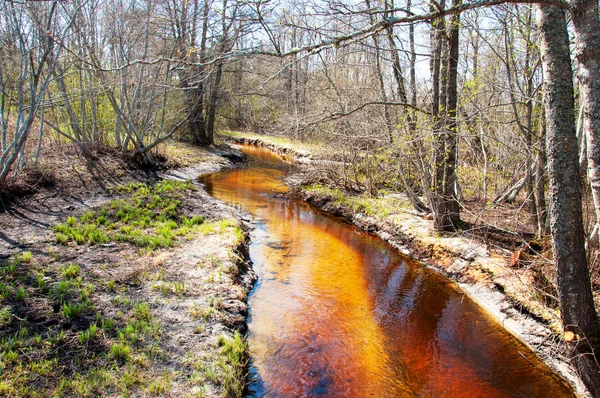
x=74 y=310
x=9 y=268
x=87 y=335
x=141 y=311
x=5 y=316
x=211 y=311
x=105 y=356
x=68 y=331
x=362 y=204
x=120 y=351
x=70 y=271
x=65 y=291
x=161 y=386
x=168 y=288
x=21 y=293
x=223 y=226
x=108 y=324
x=150 y=216
x=232 y=364
x=26 y=257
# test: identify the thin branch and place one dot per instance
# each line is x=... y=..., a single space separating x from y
x=339 y=115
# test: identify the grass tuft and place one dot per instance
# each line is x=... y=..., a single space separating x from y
x=151 y=217
x=26 y=257
x=232 y=363
x=120 y=351
x=70 y=271
x=5 y=316
x=74 y=310
x=88 y=335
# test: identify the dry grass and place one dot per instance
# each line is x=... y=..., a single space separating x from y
x=63 y=167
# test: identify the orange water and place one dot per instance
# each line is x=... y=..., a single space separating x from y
x=339 y=313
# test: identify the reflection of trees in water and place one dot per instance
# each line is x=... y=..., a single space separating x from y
x=341 y=297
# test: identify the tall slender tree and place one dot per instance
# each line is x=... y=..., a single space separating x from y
x=578 y=313
x=587 y=53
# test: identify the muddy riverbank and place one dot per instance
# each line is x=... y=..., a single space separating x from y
x=119 y=281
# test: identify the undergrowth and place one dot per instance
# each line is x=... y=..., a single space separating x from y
x=315 y=149
x=56 y=341
x=231 y=364
x=66 y=332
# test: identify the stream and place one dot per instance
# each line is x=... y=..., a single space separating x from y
x=337 y=312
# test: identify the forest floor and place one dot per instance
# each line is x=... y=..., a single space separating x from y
x=494 y=265
x=117 y=281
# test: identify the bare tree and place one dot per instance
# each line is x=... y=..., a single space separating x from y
x=34 y=29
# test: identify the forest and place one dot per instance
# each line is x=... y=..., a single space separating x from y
x=484 y=114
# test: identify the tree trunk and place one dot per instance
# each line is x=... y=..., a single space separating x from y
x=412 y=123
x=451 y=220
x=436 y=37
x=196 y=110
x=381 y=80
x=446 y=206
x=568 y=241
x=212 y=105
x=238 y=80
x=540 y=188
x=587 y=54
x=192 y=77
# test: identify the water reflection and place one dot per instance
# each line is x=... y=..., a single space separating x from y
x=338 y=313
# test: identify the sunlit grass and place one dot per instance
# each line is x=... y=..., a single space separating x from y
x=31 y=352
x=114 y=346
x=149 y=217
x=362 y=204
x=70 y=271
x=223 y=226
x=232 y=363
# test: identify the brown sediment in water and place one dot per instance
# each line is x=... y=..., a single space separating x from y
x=338 y=312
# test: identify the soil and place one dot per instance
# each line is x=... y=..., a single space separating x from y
x=66 y=181
x=195 y=291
